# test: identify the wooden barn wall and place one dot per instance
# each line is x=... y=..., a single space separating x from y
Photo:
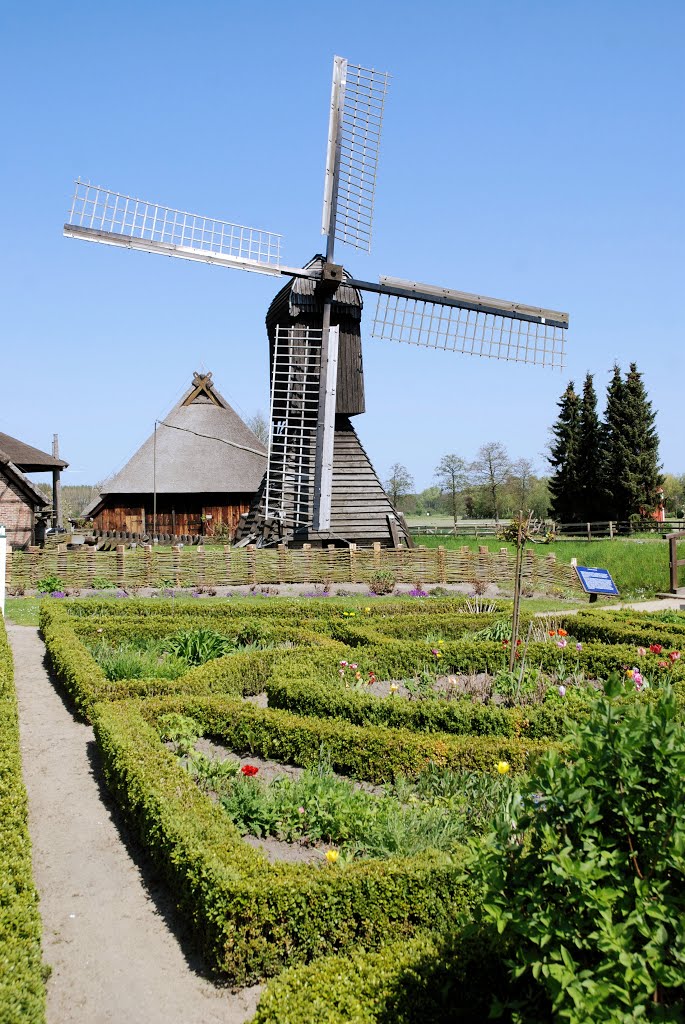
x=16 y=513
x=181 y=515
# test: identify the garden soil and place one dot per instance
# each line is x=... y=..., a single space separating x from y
x=111 y=934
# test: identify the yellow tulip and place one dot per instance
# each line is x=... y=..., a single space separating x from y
x=503 y=767
x=332 y=856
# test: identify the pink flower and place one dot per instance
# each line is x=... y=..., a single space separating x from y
x=674 y=655
x=579 y=647
x=562 y=691
x=637 y=678
x=343 y=664
x=662 y=664
x=300 y=810
x=562 y=643
x=353 y=665
x=641 y=652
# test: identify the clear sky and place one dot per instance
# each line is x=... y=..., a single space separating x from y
x=531 y=150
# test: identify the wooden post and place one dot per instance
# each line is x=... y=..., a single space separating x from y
x=442 y=571
x=121 y=577
x=282 y=563
x=147 y=565
x=353 y=562
x=673 y=561
x=376 y=554
x=90 y=565
x=517 y=594
x=62 y=567
x=201 y=571
x=176 y=564
x=611 y=530
x=252 y=563
x=589 y=532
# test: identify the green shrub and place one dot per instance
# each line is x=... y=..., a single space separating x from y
x=586 y=872
x=198 y=646
x=382 y=582
x=49 y=584
x=125 y=661
x=22 y=991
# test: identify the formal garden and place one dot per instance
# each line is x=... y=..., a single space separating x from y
x=391 y=808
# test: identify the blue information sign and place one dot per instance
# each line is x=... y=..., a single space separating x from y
x=596 y=581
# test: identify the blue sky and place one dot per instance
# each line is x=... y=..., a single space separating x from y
x=532 y=151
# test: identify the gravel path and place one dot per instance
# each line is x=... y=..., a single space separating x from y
x=110 y=932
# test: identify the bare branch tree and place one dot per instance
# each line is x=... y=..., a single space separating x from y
x=452 y=477
x=491 y=469
x=399 y=482
x=522 y=473
x=259 y=425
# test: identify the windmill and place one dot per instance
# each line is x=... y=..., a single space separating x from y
x=319 y=484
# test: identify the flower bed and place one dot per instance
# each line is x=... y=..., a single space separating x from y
x=22 y=990
x=252 y=917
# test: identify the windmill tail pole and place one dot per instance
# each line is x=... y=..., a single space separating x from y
x=517 y=593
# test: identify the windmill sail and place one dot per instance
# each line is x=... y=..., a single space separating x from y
x=100 y=215
x=357 y=103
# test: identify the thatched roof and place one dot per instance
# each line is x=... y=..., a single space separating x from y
x=29 y=459
x=201 y=446
x=11 y=471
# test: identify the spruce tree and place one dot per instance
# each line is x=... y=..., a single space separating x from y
x=631 y=447
x=564 y=483
x=593 y=497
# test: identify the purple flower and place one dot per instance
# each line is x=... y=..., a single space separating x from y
x=579 y=647
x=562 y=691
x=561 y=643
x=58 y=593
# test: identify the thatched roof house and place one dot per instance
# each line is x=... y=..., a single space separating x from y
x=198 y=471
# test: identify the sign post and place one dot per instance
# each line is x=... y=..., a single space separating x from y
x=3 y=568
x=596 y=582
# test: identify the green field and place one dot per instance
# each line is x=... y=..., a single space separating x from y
x=638 y=565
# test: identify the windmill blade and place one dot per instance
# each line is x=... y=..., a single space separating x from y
x=99 y=215
x=357 y=102
x=470 y=324
x=294 y=422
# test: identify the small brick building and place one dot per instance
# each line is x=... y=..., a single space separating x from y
x=20 y=502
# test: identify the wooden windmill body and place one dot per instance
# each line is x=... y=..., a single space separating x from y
x=319 y=485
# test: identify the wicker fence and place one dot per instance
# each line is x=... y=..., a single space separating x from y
x=195 y=567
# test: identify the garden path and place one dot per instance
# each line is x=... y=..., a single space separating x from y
x=110 y=931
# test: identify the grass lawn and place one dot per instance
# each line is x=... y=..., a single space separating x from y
x=22 y=610
x=638 y=565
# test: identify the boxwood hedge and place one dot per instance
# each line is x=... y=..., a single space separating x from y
x=22 y=991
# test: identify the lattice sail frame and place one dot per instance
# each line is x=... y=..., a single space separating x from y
x=99 y=209
x=357 y=102
x=294 y=424
x=468 y=331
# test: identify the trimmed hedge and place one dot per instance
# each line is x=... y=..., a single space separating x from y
x=22 y=990
x=618 y=629
x=428 y=979
x=249 y=916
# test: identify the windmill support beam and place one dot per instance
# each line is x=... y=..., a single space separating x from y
x=462 y=300
x=183 y=252
x=323 y=477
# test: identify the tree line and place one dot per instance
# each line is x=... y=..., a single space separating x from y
x=605 y=468
x=602 y=468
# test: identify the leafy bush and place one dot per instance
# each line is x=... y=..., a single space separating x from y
x=382 y=582
x=50 y=584
x=586 y=871
x=22 y=991
x=198 y=646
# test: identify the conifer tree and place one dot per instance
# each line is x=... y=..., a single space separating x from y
x=564 y=484
x=631 y=447
x=592 y=492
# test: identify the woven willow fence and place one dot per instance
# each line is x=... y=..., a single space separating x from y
x=197 y=567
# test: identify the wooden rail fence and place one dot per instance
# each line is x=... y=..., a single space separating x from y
x=198 y=567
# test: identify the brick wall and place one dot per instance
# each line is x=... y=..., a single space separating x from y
x=16 y=513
